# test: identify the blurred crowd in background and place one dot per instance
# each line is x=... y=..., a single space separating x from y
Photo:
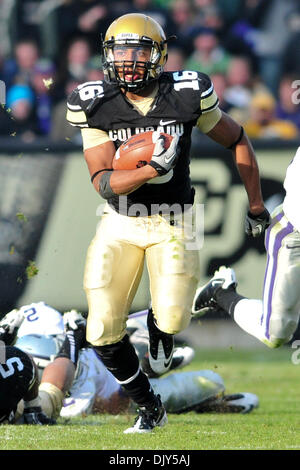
x=249 y=48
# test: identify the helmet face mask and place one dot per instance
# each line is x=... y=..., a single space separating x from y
x=134 y=51
x=42 y=348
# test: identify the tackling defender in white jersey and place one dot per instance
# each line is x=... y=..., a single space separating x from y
x=274 y=319
x=67 y=391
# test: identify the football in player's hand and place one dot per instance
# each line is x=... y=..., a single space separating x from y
x=138 y=150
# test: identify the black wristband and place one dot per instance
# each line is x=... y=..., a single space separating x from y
x=99 y=171
x=264 y=213
x=160 y=170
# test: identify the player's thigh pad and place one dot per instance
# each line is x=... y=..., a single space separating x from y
x=174 y=274
x=112 y=274
x=281 y=299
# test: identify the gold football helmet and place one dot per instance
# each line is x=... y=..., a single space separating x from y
x=135 y=32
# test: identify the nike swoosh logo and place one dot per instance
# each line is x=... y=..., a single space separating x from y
x=166 y=364
x=168 y=159
x=259 y=228
x=165 y=123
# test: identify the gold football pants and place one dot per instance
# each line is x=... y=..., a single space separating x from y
x=114 y=267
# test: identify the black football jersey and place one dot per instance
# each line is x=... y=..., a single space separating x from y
x=181 y=99
x=16 y=376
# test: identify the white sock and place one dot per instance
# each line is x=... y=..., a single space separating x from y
x=247 y=314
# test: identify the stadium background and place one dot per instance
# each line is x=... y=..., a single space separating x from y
x=48 y=209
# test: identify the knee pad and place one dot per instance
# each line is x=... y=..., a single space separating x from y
x=104 y=327
x=173 y=319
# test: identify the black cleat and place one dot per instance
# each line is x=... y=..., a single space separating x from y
x=161 y=347
x=149 y=417
x=204 y=299
x=35 y=415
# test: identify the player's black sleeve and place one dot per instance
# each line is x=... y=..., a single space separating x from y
x=76 y=115
x=80 y=101
x=208 y=97
x=17 y=377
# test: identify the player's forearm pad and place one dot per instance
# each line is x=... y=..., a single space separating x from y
x=104 y=186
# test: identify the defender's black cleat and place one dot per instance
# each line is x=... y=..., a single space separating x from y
x=205 y=299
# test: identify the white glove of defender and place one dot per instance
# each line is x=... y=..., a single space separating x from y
x=73 y=320
x=12 y=320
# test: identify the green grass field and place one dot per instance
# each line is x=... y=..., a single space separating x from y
x=274 y=425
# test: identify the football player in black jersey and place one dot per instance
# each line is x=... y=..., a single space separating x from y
x=148 y=210
x=18 y=381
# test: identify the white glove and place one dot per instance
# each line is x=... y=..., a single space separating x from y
x=12 y=320
x=164 y=159
x=73 y=320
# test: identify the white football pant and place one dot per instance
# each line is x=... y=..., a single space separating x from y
x=274 y=319
x=114 y=267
